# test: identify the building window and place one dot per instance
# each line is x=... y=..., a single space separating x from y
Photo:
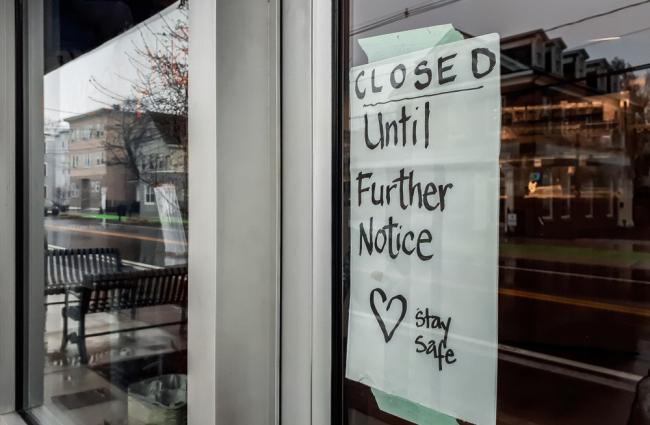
x=546 y=192
x=566 y=193
x=149 y=195
x=587 y=196
x=611 y=199
x=74 y=190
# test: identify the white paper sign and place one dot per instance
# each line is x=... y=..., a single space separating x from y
x=171 y=220
x=424 y=183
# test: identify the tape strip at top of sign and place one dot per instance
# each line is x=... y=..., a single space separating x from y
x=400 y=43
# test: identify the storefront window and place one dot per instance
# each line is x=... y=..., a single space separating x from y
x=116 y=212
x=485 y=138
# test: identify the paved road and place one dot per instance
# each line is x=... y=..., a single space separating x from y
x=143 y=244
x=574 y=338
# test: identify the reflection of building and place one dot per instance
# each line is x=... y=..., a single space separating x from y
x=57 y=164
x=567 y=147
x=96 y=163
x=127 y=155
x=160 y=149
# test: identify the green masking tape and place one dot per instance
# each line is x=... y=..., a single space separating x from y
x=386 y=46
x=410 y=411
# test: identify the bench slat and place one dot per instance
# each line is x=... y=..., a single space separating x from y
x=67 y=267
x=120 y=291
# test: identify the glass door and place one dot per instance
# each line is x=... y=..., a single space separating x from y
x=494 y=202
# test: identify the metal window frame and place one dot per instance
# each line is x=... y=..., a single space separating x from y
x=30 y=214
x=7 y=203
x=21 y=207
x=307 y=170
x=29 y=233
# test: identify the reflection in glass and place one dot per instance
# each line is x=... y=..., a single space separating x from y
x=575 y=202
x=116 y=212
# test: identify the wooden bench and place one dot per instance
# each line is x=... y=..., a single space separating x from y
x=125 y=291
x=66 y=268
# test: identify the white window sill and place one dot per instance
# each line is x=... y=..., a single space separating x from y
x=11 y=419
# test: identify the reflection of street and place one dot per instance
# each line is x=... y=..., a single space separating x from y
x=574 y=337
x=138 y=243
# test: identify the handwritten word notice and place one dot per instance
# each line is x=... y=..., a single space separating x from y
x=424 y=183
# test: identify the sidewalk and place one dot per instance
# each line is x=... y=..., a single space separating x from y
x=114 y=218
x=598 y=252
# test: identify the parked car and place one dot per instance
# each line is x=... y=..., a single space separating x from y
x=51 y=208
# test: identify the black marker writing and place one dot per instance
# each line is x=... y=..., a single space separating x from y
x=443 y=355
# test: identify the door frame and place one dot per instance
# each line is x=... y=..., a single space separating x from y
x=234 y=208
x=307 y=199
x=8 y=134
x=21 y=206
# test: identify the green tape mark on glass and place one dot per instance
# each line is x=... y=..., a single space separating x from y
x=410 y=411
x=400 y=43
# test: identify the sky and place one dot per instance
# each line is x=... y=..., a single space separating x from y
x=68 y=90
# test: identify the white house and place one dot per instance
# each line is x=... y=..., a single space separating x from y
x=57 y=163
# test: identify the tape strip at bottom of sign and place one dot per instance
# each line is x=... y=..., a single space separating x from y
x=410 y=411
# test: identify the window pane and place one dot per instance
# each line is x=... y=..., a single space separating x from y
x=573 y=188
x=116 y=212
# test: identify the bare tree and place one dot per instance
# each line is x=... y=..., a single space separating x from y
x=160 y=59
x=630 y=82
x=156 y=101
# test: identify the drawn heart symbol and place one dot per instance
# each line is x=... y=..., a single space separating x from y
x=387 y=335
